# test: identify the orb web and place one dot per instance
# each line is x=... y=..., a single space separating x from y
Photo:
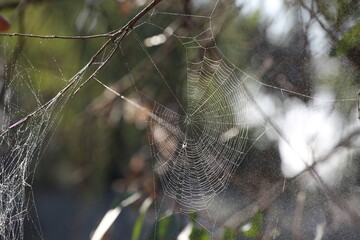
x=197 y=152
x=196 y=147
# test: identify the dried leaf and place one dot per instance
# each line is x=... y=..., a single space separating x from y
x=4 y=24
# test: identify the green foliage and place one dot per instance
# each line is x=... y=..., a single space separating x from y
x=165 y=229
x=350 y=40
x=97 y=152
x=199 y=234
x=229 y=234
x=254 y=228
x=237 y=34
x=193 y=216
x=138 y=226
x=140 y=221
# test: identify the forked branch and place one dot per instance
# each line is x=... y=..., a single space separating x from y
x=115 y=37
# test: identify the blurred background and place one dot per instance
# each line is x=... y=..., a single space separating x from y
x=303 y=56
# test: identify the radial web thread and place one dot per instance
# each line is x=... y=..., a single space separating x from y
x=197 y=152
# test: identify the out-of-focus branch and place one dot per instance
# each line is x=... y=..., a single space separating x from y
x=315 y=15
x=335 y=29
x=116 y=37
x=17 y=4
x=262 y=203
x=15 y=54
x=26 y=35
x=104 y=100
x=268 y=197
x=342 y=204
x=9 y=5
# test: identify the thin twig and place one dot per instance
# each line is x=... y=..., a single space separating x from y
x=104 y=35
x=316 y=17
x=9 y=5
x=268 y=197
x=136 y=73
x=358 y=104
x=15 y=54
x=340 y=203
x=355 y=218
x=115 y=37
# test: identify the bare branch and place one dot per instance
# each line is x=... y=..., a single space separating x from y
x=314 y=15
x=355 y=218
x=9 y=5
x=105 y=35
x=116 y=37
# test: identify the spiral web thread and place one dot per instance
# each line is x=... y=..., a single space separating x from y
x=197 y=148
x=195 y=151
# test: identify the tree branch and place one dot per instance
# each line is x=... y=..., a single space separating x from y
x=105 y=35
x=116 y=37
x=316 y=17
x=8 y=5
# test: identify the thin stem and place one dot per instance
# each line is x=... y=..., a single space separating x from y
x=316 y=17
x=354 y=217
x=104 y=35
x=15 y=54
x=9 y=5
x=126 y=28
x=118 y=36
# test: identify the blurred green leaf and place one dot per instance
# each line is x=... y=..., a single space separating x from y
x=137 y=227
x=253 y=228
x=253 y=20
x=350 y=40
x=199 y=234
x=229 y=234
x=165 y=229
x=193 y=216
x=140 y=221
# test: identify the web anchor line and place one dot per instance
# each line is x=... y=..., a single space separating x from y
x=137 y=106
x=115 y=37
x=22 y=141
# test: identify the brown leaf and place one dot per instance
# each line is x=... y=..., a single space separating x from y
x=4 y=24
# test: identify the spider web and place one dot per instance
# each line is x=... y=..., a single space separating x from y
x=23 y=140
x=21 y=148
x=196 y=146
x=196 y=153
